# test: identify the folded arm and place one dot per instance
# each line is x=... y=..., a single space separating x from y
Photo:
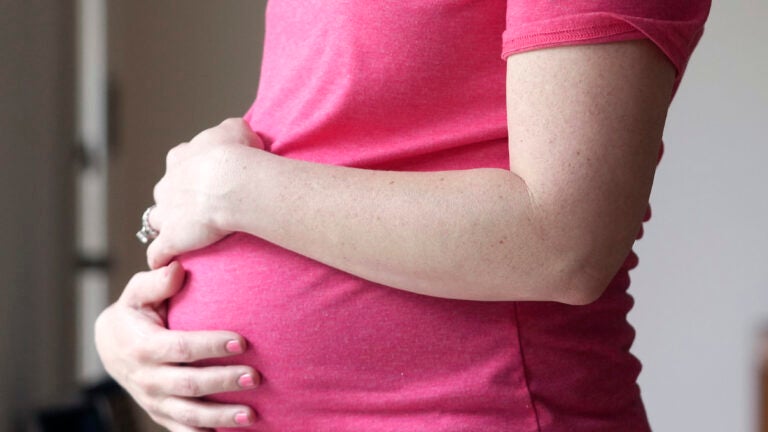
x=585 y=125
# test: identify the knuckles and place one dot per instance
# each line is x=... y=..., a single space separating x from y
x=147 y=386
x=187 y=386
x=140 y=352
x=188 y=417
x=172 y=156
x=180 y=350
x=204 y=136
x=234 y=123
x=157 y=191
x=240 y=129
x=231 y=130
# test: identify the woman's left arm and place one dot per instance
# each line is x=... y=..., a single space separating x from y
x=585 y=124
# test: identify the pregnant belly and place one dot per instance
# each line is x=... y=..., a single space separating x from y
x=340 y=353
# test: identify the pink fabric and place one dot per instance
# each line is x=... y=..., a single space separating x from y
x=416 y=85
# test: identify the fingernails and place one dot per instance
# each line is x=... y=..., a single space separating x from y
x=246 y=381
x=234 y=347
x=243 y=419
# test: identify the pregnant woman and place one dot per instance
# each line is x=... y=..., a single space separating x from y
x=406 y=233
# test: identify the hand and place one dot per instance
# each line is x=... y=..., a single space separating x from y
x=143 y=357
x=198 y=189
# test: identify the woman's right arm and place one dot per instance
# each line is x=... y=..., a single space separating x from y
x=146 y=358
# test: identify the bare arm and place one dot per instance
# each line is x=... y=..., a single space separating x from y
x=585 y=124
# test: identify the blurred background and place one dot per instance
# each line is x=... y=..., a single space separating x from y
x=94 y=92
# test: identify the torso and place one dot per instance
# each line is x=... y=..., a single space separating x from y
x=403 y=86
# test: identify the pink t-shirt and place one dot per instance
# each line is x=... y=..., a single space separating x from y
x=417 y=85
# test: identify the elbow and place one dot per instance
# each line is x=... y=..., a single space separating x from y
x=583 y=262
x=585 y=281
x=581 y=294
x=562 y=280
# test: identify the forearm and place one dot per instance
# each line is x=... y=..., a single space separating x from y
x=470 y=234
x=585 y=124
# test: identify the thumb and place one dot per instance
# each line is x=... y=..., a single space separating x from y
x=151 y=288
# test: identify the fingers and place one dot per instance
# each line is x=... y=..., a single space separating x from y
x=160 y=252
x=176 y=154
x=233 y=130
x=172 y=346
x=198 y=381
x=243 y=129
x=142 y=356
x=196 y=413
x=172 y=426
x=156 y=215
x=256 y=141
x=235 y=123
x=153 y=287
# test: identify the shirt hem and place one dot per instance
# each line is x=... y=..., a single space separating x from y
x=592 y=34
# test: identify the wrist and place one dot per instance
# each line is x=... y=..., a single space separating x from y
x=246 y=183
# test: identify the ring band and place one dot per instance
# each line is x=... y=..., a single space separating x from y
x=147 y=233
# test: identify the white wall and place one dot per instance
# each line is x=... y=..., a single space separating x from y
x=702 y=286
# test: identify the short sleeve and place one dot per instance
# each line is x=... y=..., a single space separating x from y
x=674 y=26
